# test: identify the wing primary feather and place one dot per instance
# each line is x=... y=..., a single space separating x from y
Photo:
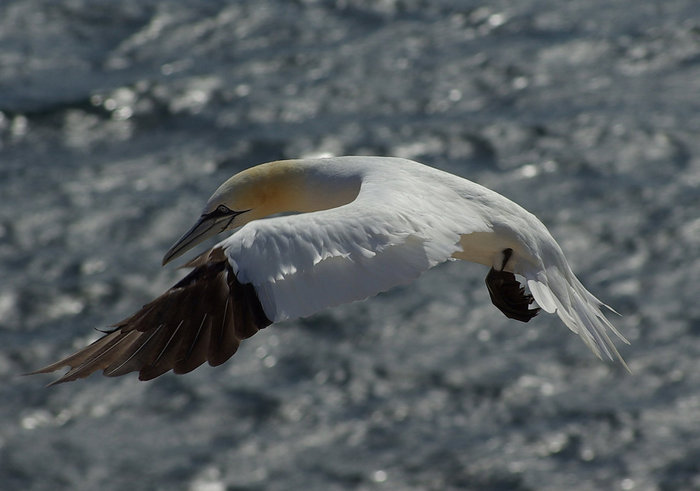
x=230 y=341
x=218 y=349
x=199 y=349
x=78 y=358
x=161 y=335
x=153 y=370
x=113 y=371
x=101 y=358
x=193 y=342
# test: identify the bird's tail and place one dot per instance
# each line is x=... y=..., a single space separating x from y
x=556 y=289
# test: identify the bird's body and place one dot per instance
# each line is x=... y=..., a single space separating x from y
x=360 y=226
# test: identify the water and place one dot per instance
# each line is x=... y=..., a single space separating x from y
x=120 y=118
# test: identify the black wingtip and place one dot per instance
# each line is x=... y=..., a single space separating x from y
x=204 y=317
x=509 y=296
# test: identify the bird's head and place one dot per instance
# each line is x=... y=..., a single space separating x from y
x=251 y=194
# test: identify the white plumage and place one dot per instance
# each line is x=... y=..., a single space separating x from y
x=388 y=235
x=362 y=226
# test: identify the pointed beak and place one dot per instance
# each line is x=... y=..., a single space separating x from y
x=207 y=226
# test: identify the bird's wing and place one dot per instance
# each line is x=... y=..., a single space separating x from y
x=303 y=263
x=204 y=317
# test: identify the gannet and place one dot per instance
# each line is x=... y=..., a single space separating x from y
x=313 y=233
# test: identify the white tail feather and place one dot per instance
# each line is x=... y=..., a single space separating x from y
x=561 y=292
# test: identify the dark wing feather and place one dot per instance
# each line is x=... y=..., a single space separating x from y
x=202 y=318
x=196 y=350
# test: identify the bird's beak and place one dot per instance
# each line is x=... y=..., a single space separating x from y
x=207 y=226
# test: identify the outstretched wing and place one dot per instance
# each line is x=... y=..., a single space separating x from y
x=204 y=317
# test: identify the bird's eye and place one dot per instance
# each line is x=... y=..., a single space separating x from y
x=219 y=212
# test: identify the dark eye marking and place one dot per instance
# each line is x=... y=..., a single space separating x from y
x=220 y=211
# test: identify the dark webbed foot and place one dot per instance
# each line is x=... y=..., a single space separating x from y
x=508 y=295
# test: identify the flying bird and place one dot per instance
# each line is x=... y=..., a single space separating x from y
x=312 y=233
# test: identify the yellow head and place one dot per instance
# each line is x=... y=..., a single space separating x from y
x=260 y=191
x=275 y=187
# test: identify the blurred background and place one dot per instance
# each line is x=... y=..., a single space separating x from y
x=118 y=120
